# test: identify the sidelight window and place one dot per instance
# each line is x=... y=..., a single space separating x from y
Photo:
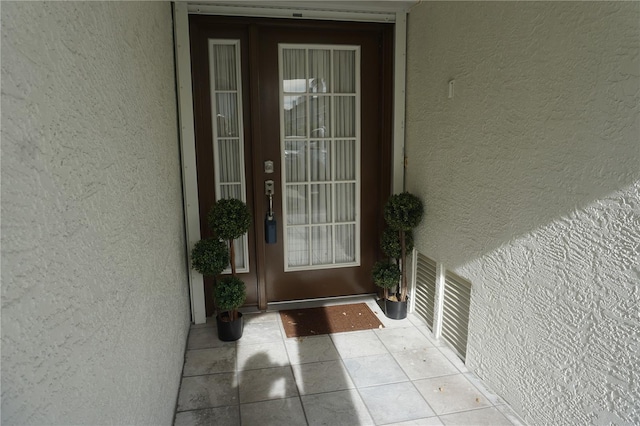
x=227 y=129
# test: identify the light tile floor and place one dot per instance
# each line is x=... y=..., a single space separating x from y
x=397 y=375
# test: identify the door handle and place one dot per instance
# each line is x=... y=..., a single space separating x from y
x=270 y=224
x=268 y=190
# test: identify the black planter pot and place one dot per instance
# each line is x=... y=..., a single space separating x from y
x=229 y=331
x=395 y=310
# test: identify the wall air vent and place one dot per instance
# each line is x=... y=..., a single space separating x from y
x=425 y=289
x=455 y=314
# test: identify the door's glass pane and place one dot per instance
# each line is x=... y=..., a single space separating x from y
x=295 y=116
x=345 y=160
x=345 y=71
x=239 y=248
x=226 y=114
x=224 y=67
x=235 y=191
x=320 y=203
x=229 y=159
x=345 y=243
x=345 y=202
x=294 y=76
x=345 y=125
x=231 y=191
x=320 y=112
x=228 y=138
x=320 y=154
x=320 y=160
x=295 y=161
x=298 y=246
x=297 y=204
x=321 y=245
x=319 y=71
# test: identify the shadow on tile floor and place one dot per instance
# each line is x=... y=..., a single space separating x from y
x=395 y=375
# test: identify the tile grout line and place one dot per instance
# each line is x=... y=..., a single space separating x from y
x=468 y=375
x=356 y=387
x=283 y=337
x=410 y=380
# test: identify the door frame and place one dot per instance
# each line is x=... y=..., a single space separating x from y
x=397 y=14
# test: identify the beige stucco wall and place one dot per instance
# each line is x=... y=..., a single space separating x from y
x=95 y=305
x=531 y=180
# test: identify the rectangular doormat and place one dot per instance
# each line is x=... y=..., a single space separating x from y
x=328 y=319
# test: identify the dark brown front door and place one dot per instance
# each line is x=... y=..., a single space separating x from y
x=312 y=102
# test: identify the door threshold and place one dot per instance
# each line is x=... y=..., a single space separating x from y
x=315 y=303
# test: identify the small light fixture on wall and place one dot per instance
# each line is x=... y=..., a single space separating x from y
x=451 y=88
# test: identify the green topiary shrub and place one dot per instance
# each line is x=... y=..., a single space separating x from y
x=386 y=275
x=230 y=294
x=390 y=243
x=229 y=218
x=209 y=256
x=403 y=212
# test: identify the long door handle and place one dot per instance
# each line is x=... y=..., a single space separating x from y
x=268 y=190
x=270 y=225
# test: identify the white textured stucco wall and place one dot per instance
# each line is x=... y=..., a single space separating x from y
x=531 y=180
x=95 y=306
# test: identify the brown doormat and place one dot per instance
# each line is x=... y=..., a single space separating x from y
x=328 y=319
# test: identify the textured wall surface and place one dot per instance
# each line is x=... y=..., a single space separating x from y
x=531 y=180
x=95 y=305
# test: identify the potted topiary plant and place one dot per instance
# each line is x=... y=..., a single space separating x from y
x=402 y=212
x=229 y=219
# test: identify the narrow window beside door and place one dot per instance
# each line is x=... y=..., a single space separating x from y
x=320 y=145
x=228 y=136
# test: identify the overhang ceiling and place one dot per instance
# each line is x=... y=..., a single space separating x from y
x=359 y=6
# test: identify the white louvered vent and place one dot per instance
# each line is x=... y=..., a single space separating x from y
x=425 y=288
x=455 y=313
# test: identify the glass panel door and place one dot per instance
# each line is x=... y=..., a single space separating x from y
x=320 y=145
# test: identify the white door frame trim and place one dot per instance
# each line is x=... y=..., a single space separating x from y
x=181 y=11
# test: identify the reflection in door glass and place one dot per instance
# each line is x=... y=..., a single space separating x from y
x=298 y=246
x=320 y=144
x=296 y=206
x=295 y=155
x=321 y=203
x=320 y=116
x=320 y=160
x=226 y=114
x=319 y=71
x=294 y=73
x=322 y=249
x=295 y=116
